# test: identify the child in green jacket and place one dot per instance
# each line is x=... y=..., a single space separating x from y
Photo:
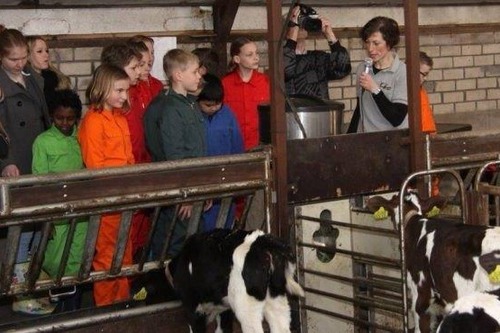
x=57 y=150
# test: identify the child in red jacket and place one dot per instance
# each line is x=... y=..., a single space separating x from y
x=245 y=88
x=140 y=95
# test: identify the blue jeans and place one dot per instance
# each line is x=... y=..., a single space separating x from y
x=28 y=242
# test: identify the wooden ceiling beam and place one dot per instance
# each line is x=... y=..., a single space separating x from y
x=224 y=14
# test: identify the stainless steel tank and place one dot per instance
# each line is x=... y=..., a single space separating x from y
x=319 y=118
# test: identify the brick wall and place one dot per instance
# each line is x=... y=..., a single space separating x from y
x=466 y=74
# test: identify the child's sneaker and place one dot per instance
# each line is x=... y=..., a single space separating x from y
x=33 y=306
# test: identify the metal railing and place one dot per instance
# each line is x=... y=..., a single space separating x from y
x=43 y=200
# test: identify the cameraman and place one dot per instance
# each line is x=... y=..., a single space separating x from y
x=308 y=72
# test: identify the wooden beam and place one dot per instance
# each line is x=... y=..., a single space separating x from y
x=417 y=137
x=202 y=36
x=278 y=120
x=224 y=13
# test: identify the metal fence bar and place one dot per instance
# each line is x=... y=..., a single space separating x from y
x=121 y=242
x=361 y=300
x=248 y=203
x=64 y=325
x=357 y=281
x=89 y=250
x=351 y=319
x=194 y=221
x=382 y=260
x=147 y=248
x=386 y=232
x=225 y=207
x=67 y=248
x=7 y=268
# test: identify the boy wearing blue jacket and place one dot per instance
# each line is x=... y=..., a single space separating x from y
x=223 y=136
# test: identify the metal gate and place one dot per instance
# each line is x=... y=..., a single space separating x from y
x=351 y=265
x=41 y=200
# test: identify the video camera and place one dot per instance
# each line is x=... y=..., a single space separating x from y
x=308 y=19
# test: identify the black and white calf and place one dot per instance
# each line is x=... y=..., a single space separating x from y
x=446 y=259
x=478 y=312
x=250 y=273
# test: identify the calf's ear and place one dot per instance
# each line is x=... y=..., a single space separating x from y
x=490 y=261
x=432 y=203
x=374 y=203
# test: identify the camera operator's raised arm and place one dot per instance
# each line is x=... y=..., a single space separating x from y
x=326 y=28
x=308 y=72
x=293 y=24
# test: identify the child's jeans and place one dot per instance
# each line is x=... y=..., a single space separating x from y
x=28 y=244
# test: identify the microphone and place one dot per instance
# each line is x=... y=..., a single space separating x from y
x=368 y=69
x=368 y=66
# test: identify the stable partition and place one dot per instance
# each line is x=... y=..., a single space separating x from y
x=43 y=200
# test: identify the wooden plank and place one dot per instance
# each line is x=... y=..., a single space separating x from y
x=456 y=148
x=340 y=166
x=133 y=184
x=168 y=3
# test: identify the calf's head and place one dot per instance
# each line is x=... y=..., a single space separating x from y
x=413 y=205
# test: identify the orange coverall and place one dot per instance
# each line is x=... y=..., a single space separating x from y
x=105 y=142
x=428 y=124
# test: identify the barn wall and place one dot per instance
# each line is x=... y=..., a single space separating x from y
x=466 y=75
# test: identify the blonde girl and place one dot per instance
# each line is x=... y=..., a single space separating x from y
x=39 y=60
x=105 y=141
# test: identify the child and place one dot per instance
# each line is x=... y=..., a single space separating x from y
x=140 y=95
x=129 y=57
x=174 y=130
x=245 y=88
x=223 y=136
x=209 y=60
x=21 y=86
x=123 y=56
x=150 y=43
x=105 y=142
x=39 y=59
x=428 y=124
x=57 y=150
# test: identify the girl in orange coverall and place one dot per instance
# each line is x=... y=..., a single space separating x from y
x=105 y=141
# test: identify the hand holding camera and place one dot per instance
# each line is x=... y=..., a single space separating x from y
x=305 y=17
x=326 y=28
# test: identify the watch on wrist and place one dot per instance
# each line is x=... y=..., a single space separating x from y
x=376 y=91
x=292 y=24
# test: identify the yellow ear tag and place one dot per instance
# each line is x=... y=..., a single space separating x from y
x=381 y=214
x=433 y=212
x=495 y=275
